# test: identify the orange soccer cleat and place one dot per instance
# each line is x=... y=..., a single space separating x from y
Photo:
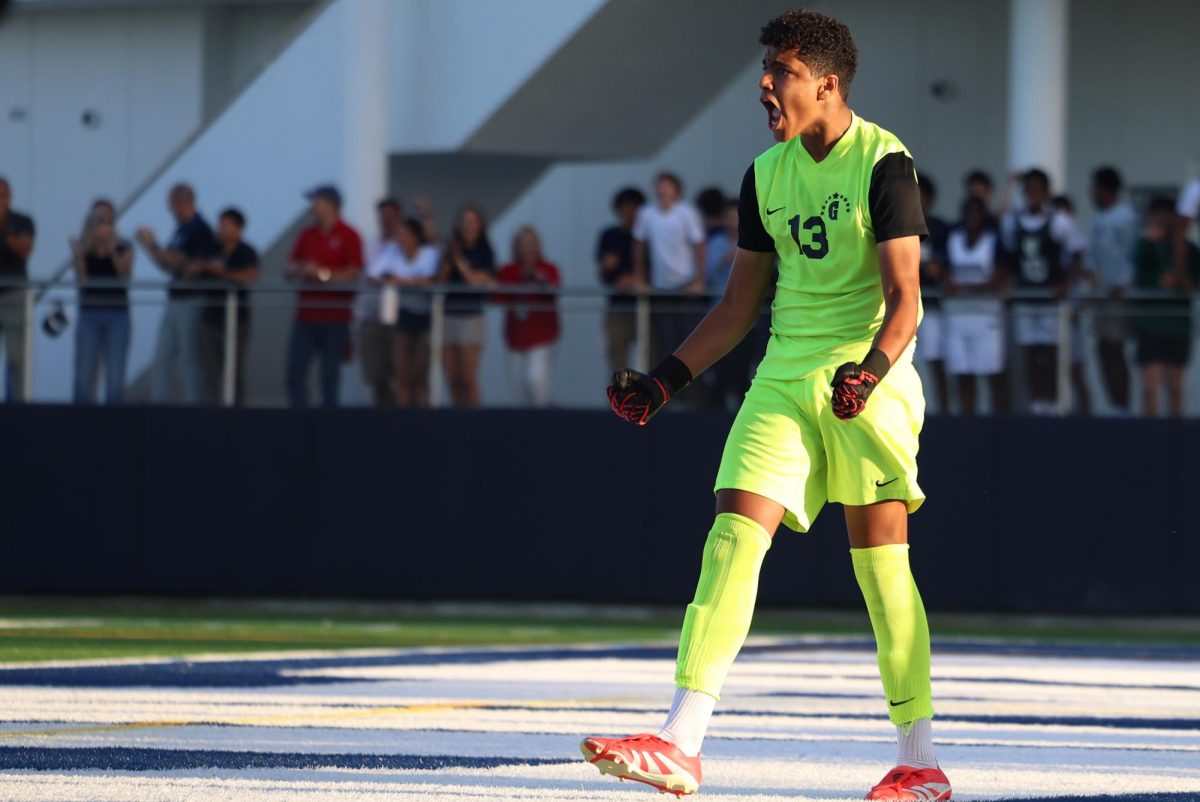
x=647 y=759
x=906 y=782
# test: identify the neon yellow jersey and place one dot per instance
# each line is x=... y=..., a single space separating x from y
x=824 y=220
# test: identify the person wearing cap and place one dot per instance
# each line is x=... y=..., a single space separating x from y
x=326 y=261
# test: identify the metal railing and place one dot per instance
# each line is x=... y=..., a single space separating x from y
x=644 y=307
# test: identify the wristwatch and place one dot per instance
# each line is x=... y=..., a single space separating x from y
x=324 y=274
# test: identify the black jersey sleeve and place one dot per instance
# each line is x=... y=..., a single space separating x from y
x=894 y=200
x=752 y=235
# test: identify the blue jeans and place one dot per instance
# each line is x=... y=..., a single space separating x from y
x=102 y=334
x=178 y=345
x=327 y=342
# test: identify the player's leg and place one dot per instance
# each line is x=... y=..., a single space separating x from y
x=873 y=473
x=772 y=470
x=718 y=619
x=1151 y=379
x=402 y=369
x=420 y=368
x=1115 y=372
x=1175 y=391
x=879 y=551
x=714 y=629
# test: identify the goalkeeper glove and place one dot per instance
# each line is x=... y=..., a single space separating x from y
x=635 y=396
x=853 y=383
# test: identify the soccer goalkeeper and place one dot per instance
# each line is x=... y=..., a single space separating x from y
x=835 y=408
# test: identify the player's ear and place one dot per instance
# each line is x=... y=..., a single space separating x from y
x=828 y=87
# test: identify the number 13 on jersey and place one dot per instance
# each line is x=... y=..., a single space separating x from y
x=820 y=243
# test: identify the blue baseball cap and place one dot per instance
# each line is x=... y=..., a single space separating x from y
x=327 y=191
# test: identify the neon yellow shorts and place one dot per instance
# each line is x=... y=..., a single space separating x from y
x=786 y=444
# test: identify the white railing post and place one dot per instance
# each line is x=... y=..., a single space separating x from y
x=229 y=365
x=642 y=333
x=27 y=356
x=437 y=338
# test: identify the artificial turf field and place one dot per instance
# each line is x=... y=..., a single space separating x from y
x=141 y=700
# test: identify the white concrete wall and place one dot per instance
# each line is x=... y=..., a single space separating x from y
x=456 y=61
x=140 y=71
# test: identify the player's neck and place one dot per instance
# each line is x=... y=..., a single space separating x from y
x=821 y=137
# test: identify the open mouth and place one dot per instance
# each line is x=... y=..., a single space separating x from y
x=774 y=115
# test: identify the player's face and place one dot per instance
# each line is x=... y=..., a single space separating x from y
x=5 y=197
x=627 y=213
x=228 y=231
x=666 y=192
x=1036 y=193
x=389 y=218
x=470 y=225
x=791 y=94
x=1158 y=225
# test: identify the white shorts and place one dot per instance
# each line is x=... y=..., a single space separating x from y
x=975 y=339
x=1035 y=324
x=930 y=337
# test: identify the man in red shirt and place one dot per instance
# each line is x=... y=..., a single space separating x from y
x=326 y=260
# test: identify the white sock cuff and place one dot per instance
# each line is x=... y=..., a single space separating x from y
x=916 y=745
x=688 y=720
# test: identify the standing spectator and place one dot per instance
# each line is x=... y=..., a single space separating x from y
x=731 y=375
x=978 y=184
x=974 y=283
x=103 y=263
x=17 y=234
x=669 y=248
x=184 y=259
x=931 y=337
x=1079 y=279
x=326 y=260
x=711 y=203
x=235 y=267
x=1110 y=262
x=531 y=324
x=614 y=252
x=1188 y=211
x=1164 y=327
x=1036 y=235
x=375 y=335
x=413 y=267
x=470 y=262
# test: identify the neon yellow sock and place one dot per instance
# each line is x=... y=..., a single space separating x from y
x=901 y=631
x=718 y=618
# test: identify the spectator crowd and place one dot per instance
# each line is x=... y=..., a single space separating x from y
x=1006 y=276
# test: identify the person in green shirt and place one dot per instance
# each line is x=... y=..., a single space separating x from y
x=835 y=408
x=1163 y=327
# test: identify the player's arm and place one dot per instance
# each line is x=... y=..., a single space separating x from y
x=733 y=316
x=896 y=216
x=636 y=396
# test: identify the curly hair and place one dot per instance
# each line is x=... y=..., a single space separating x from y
x=821 y=42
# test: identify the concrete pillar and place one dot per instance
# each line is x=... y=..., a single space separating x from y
x=1037 y=91
x=364 y=69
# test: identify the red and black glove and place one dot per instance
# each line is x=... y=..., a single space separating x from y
x=635 y=396
x=853 y=383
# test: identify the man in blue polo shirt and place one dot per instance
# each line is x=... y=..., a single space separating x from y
x=184 y=259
